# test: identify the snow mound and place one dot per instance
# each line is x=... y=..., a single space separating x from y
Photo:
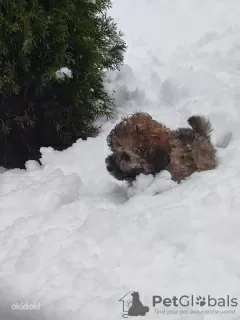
x=149 y=185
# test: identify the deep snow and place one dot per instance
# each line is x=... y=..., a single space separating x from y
x=76 y=241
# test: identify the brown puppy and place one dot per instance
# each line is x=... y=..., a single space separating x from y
x=143 y=145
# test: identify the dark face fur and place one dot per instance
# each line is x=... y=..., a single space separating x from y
x=126 y=165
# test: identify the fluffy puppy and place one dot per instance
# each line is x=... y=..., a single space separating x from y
x=140 y=144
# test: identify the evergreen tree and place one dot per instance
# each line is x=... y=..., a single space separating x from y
x=39 y=37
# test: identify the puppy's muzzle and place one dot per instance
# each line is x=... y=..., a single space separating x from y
x=111 y=160
x=110 y=163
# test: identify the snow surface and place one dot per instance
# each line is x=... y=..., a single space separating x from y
x=75 y=240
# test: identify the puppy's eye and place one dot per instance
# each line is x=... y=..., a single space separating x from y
x=125 y=156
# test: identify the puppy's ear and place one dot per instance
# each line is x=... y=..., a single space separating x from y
x=159 y=159
x=161 y=141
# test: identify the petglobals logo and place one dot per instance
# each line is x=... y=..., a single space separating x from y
x=132 y=305
x=192 y=301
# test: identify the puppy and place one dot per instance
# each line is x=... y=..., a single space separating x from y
x=139 y=144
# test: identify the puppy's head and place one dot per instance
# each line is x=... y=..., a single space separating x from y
x=126 y=165
x=139 y=145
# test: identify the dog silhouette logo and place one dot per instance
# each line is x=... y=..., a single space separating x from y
x=132 y=305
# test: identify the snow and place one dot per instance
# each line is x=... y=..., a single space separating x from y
x=63 y=72
x=76 y=241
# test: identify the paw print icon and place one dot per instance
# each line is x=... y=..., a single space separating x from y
x=201 y=301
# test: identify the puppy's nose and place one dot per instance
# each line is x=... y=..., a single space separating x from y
x=109 y=163
x=109 y=167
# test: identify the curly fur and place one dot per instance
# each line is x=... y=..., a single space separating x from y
x=140 y=144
